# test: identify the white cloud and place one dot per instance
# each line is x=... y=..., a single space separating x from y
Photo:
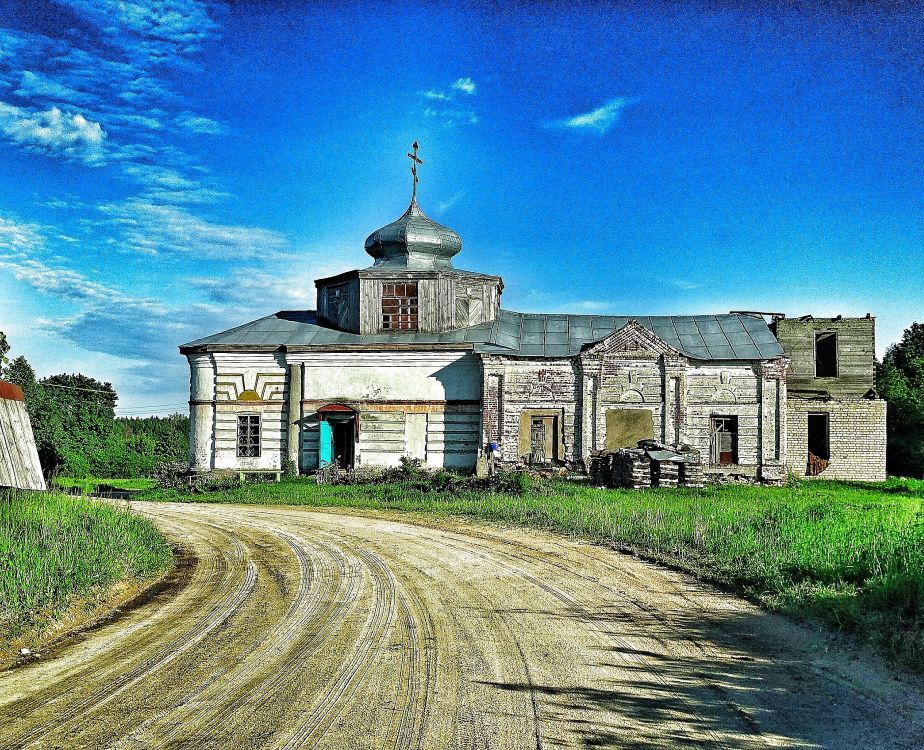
x=600 y=119
x=54 y=132
x=17 y=238
x=438 y=95
x=198 y=124
x=465 y=85
x=453 y=115
x=108 y=319
x=152 y=32
x=254 y=289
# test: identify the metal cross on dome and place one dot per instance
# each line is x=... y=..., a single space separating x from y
x=414 y=162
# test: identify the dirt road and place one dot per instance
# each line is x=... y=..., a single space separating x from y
x=292 y=628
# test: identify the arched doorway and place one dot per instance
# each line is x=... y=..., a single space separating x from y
x=339 y=430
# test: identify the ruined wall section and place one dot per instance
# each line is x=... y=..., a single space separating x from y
x=856 y=354
x=856 y=419
x=542 y=386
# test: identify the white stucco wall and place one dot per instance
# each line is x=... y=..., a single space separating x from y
x=409 y=404
x=391 y=376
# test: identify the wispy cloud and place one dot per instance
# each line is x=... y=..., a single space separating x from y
x=68 y=134
x=107 y=319
x=435 y=94
x=199 y=124
x=152 y=228
x=443 y=206
x=452 y=109
x=599 y=120
x=684 y=284
x=36 y=85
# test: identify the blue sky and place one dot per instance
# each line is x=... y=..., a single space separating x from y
x=169 y=169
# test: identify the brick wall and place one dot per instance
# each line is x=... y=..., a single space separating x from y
x=857 y=437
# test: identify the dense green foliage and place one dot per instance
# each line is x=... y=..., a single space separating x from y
x=901 y=383
x=851 y=555
x=77 y=433
x=57 y=549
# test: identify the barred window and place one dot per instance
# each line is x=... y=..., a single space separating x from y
x=248 y=436
x=399 y=307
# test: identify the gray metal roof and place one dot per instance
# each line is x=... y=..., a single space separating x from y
x=703 y=337
x=707 y=337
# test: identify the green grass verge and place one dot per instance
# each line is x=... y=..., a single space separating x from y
x=848 y=554
x=88 y=485
x=58 y=550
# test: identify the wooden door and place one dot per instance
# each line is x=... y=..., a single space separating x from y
x=325 y=443
x=537 y=441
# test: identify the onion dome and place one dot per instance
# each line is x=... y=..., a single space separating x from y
x=413 y=241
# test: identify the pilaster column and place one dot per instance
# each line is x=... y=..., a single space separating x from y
x=772 y=415
x=675 y=399
x=589 y=388
x=201 y=411
x=294 y=416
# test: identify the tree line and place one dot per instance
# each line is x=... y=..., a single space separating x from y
x=77 y=432
x=900 y=381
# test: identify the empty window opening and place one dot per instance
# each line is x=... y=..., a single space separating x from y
x=724 y=444
x=819 y=443
x=399 y=307
x=248 y=436
x=826 y=355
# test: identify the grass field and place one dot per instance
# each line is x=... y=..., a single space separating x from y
x=848 y=554
x=60 y=552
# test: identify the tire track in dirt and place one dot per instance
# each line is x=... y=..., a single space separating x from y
x=587 y=613
x=307 y=628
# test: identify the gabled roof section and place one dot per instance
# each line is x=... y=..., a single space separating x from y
x=632 y=340
x=702 y=337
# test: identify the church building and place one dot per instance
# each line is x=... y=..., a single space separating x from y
x=415 y=357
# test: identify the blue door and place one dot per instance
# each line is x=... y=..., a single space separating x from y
x=325 y=444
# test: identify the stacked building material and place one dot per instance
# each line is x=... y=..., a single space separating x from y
x=691 y=471
x=631 y=468
x=665 y=469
